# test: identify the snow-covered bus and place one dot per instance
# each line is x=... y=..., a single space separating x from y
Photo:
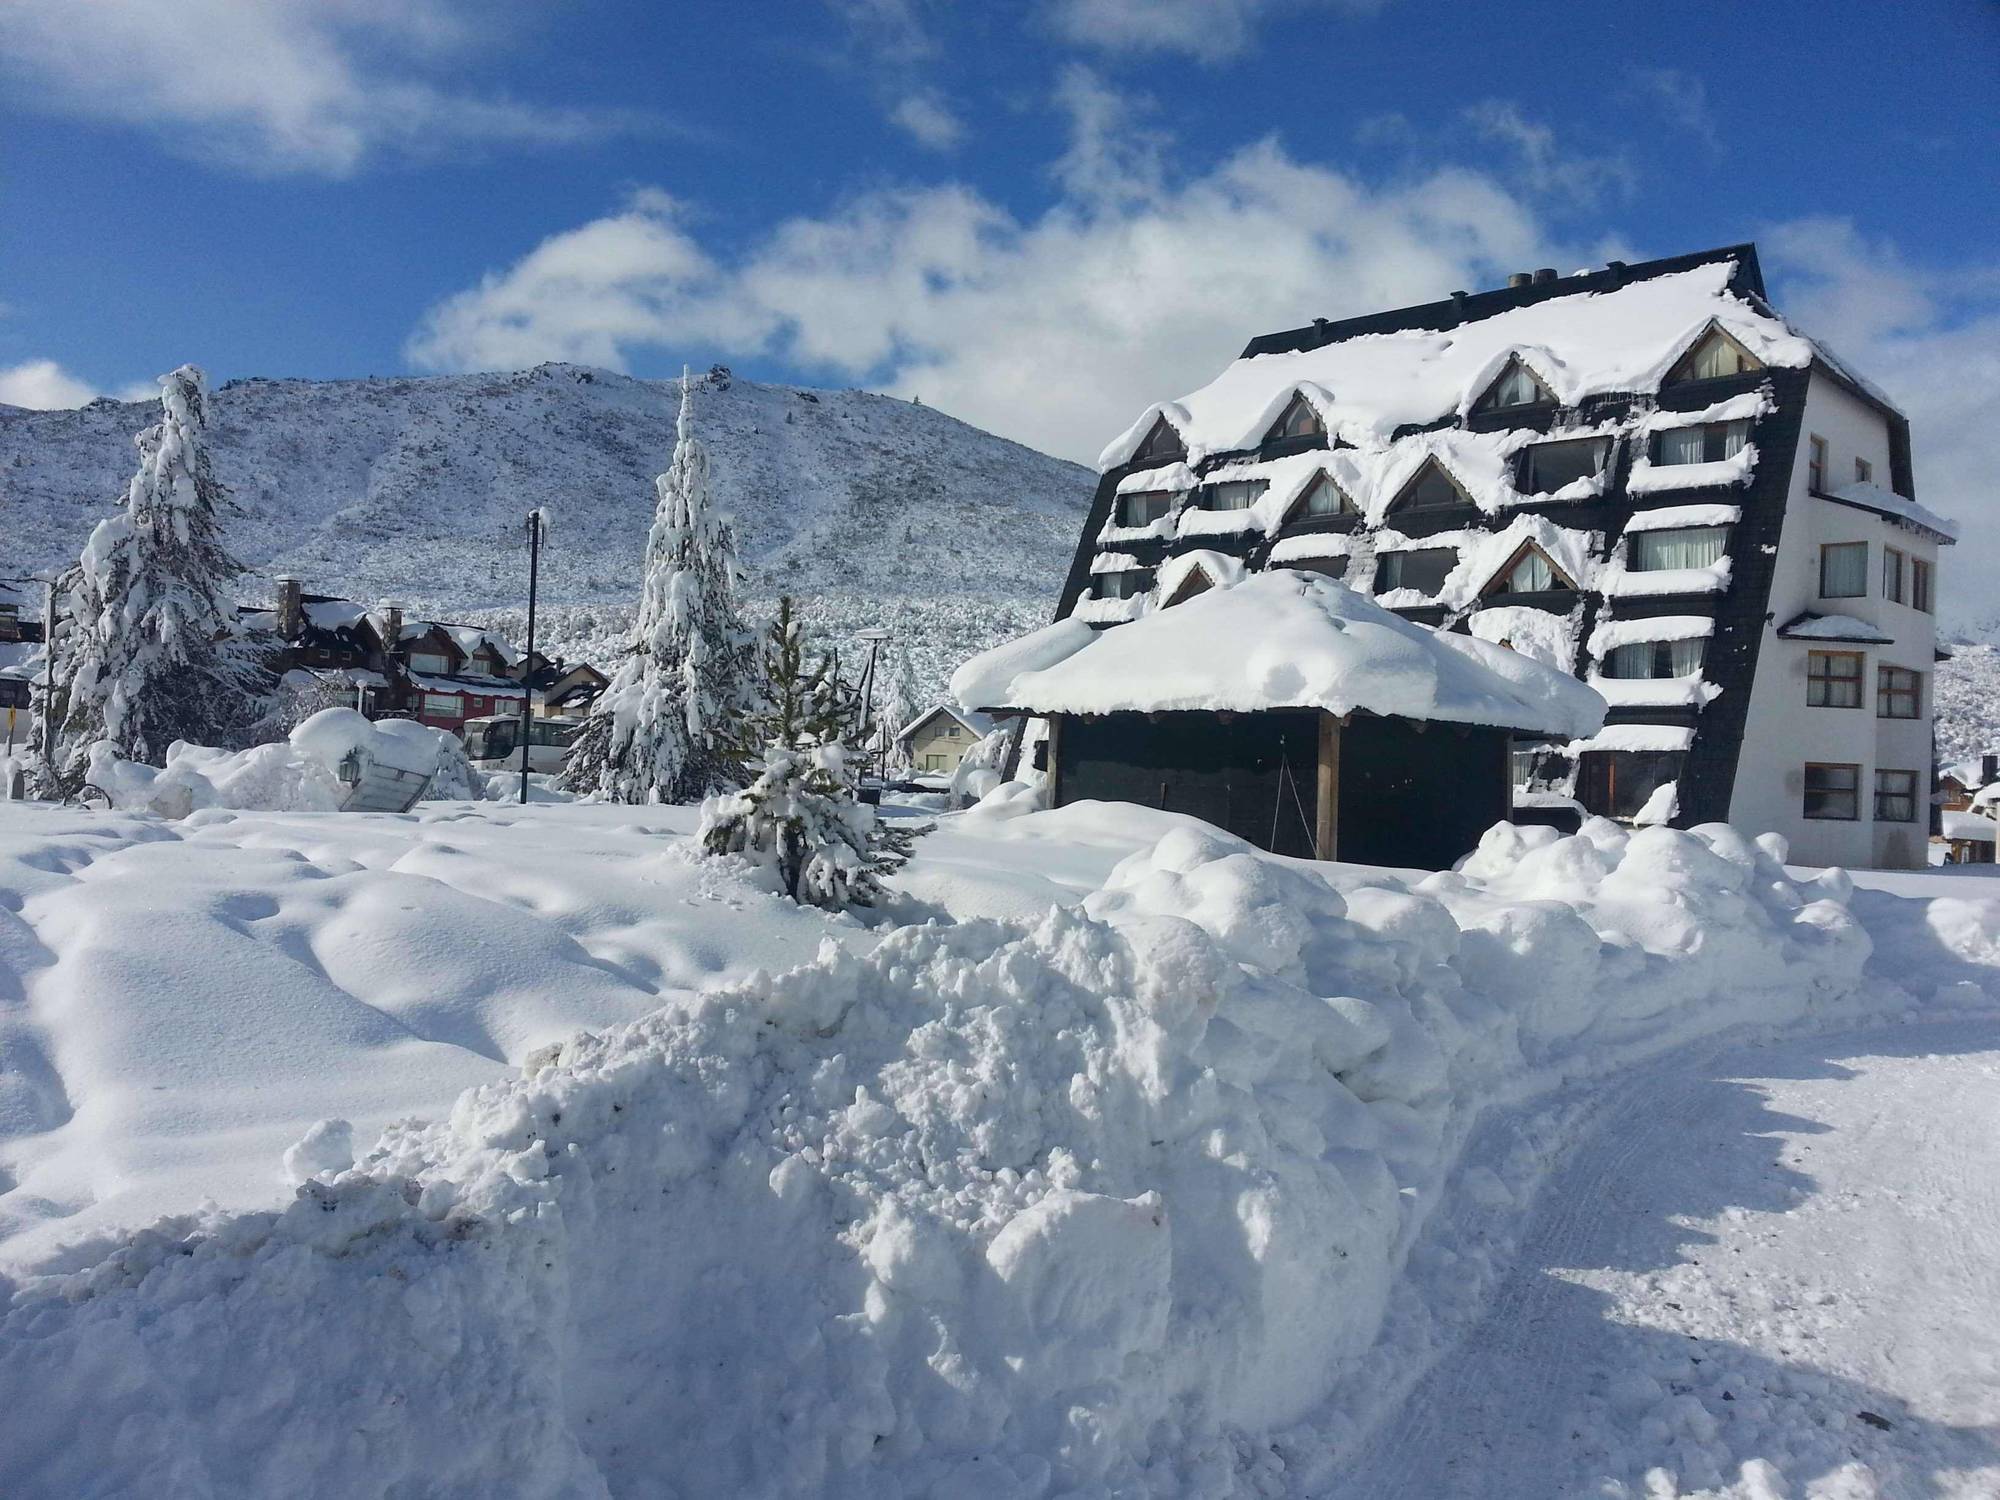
x=494 y=743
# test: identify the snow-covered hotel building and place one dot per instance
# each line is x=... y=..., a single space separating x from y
x=1640 y=473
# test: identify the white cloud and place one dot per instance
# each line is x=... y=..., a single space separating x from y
x=42 y=385
x=1211 y=30
x=1931 y=340
x=1544 y=166
x=277 y=85
x=1683 y=99
x=928 y=120
x=1055 y=330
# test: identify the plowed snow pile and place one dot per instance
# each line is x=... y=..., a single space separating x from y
x=1082 y=1208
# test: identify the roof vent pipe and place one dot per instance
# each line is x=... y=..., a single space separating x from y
x=1545 y=275
x=1520 y=278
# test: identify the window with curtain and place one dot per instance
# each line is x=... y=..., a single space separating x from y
x=1324 y=498
x=1920 y=585
x=1843 y=570
x=1236 y=494
x=1143 y=507
x=1124 y=584
x=1678 y=547
x=1424 y=569
x=429 y=662
x=1713 y=358
x=1896 y=796
x=1517 y=386
x=1899 y=693
x=1531 y=573
x=1833 y=791
x=1432 y=489
x=1705 y=443
x=1617 y=783
x=445 y=705
x=1547 y=467
x=1656 y=659
x=1833 y=679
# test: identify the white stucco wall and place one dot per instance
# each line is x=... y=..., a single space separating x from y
x=1782 y=733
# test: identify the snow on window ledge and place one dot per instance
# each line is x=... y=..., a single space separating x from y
x=1648 y=478
x=1618 y=582
x=1672 y=517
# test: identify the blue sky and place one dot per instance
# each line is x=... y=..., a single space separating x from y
x=1038 y=216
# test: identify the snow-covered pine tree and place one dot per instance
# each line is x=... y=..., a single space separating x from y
x=664 y=730
x=901 y=705
x=152 y=655
x=802 y=815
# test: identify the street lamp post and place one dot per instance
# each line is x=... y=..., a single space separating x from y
x=528 y=661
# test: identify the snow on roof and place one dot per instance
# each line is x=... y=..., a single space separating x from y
x=1975 y=827
x=1635 y=737
x=1616 y=581
x=1647 y=477
x=1582 y=344
x=1279 y=639
x=1812 y=627
x=1871 y=496
x=1609 y=635
x=333 y=614
x=1220 y=567
x=1539 y=634
x=1669 y=517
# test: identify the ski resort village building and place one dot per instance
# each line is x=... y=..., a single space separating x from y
x=1639 y=474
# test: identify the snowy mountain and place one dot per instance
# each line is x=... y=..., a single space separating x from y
x=877 y=511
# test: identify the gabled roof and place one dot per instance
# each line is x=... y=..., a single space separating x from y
x=979 y=725
x=1279 y=639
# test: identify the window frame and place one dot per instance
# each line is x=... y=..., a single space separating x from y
x=1406 y=497
x=1302 y=507
x=1864 y=471
x=1826 y=550
x=1922 y=585
x=1660 y=654
x=1125 y=500
x=1384 y=560
x=1489 y=401
x=1212 y=493
x=1524 y=467
x=1280 y=430
x=1851 y=792
x=1683 y=371
x=1889 y=693
x=1099 y=587
x=1498 y=586
x=445 y=705
x=1816 y=457
x=1884 y=796
x=442 y=669
x=1824 y=682
x=1892 y=578
x=1151 y=446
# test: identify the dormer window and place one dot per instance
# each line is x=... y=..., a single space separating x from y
x=1531 y=572
x=1422 y=568
x=1143 y=507
x=1194 y=581
x=1715 y=356
x=1236 y=494
x=1162 y=442
x=1705 y=443
x=1518 y=386
x=1548 y=467
x=1323 y=498
x=1432 y=488
x=1298 y=421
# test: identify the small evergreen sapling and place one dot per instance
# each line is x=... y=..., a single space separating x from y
x=801 y=815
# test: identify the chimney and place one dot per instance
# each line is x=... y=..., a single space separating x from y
x=291 y=609
x=392 y=627
x=1989 y=769
x=1544 y=275
x=1617 y=270
x=1520 y=278
x=1458 y=305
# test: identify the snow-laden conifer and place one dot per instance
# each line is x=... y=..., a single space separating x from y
x=664 y=729
x=151 y=655
x=802 y=814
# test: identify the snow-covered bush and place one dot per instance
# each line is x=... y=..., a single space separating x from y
x=1099 y=1206
x=979 y=770
x=300 y=773
x=801 y=818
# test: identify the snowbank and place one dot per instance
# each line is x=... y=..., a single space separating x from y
x=298 y=774
x=1083 y=1207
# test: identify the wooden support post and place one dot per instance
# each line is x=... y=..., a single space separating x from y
x=1054 y=753
x=1326 y=836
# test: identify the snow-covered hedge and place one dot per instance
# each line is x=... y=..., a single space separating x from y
x=297 y=774
x=1082 y=1209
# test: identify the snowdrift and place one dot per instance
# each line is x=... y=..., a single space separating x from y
x=1082 y=1208
x=298 y=774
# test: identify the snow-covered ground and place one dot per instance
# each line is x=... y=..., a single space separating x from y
x=1116 y=1159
